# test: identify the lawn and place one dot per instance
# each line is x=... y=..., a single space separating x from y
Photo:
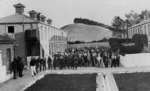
x=69 y=82
x=133 y=81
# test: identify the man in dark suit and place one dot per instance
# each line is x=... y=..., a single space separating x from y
x=20 y=66
x=14 y=67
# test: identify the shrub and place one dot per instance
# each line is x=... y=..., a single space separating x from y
x=137 y=48
x=114 y=43
x=140 y=39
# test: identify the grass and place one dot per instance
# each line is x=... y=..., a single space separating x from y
x=70 y=82
x=133 y=81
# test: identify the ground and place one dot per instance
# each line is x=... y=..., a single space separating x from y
x=69 y=82
x=133 y=81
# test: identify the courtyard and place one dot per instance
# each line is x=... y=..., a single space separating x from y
x=20 y=84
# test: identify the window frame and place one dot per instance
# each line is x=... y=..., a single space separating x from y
x=8 y=29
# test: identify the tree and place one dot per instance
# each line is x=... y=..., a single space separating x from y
x=118 y=23
x=120 y=26
x=133 y=18
x=145 y=14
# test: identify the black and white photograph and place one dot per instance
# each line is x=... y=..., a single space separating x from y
x=74 y=45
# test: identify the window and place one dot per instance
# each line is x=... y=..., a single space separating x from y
x=10 y=29
x=148 y=30
x=8 y=62
x=145 y=29
x=131 y=33
x=141 y=30
x=41 y=33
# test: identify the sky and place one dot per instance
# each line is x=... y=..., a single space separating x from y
x=63 y=12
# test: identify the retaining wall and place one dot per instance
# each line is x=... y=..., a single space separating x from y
x=135 y=60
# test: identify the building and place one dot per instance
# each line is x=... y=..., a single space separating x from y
x=6 y=55
x=33 y=34
x=141 y=28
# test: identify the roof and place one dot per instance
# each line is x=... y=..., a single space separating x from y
x=142 y=23
x=32 y=11
x=17 y=18
x=19 y=5
x=21 y=19
x=6 y=40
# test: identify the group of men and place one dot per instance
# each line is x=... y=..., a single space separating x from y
x=37 y=65
x=17 y=67
x=72 y=58
x=86 y=57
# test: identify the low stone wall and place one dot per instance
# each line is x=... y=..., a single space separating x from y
x=135 y=60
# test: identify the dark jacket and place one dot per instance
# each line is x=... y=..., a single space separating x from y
x=32 y=62
x=13 y=66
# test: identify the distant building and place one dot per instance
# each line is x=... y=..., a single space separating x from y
x=33 y=34
x=141 y=28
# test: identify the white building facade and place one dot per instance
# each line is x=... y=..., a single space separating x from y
x=141 y=28
x=50 y=39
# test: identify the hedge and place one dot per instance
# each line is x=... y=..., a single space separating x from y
x=115 y=43
x=137 y=48
x=140 y=40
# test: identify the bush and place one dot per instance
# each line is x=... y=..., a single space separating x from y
x=137 y=48
x=114 y=43
x=75 y=42
x=140 y=39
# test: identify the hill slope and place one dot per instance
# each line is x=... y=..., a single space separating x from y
x=86 y=33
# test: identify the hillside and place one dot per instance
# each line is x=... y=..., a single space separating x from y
x=86 y=33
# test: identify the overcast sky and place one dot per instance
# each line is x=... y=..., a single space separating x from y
x=63 y=12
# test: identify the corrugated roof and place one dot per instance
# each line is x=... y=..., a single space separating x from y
x=17 y=18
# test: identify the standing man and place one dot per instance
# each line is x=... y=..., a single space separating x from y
x=113 y=63
x=49 y=62
x=98 y=59
x=41 y=64
x=44 y=64
x=20 y=66
x=37 y=64
x=14 y=67
x=32 y=65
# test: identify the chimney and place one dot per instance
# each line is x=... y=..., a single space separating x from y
x=49 y=21
x=33 y=14
x=43 y=18
x=19 y=8
x=39 y=16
